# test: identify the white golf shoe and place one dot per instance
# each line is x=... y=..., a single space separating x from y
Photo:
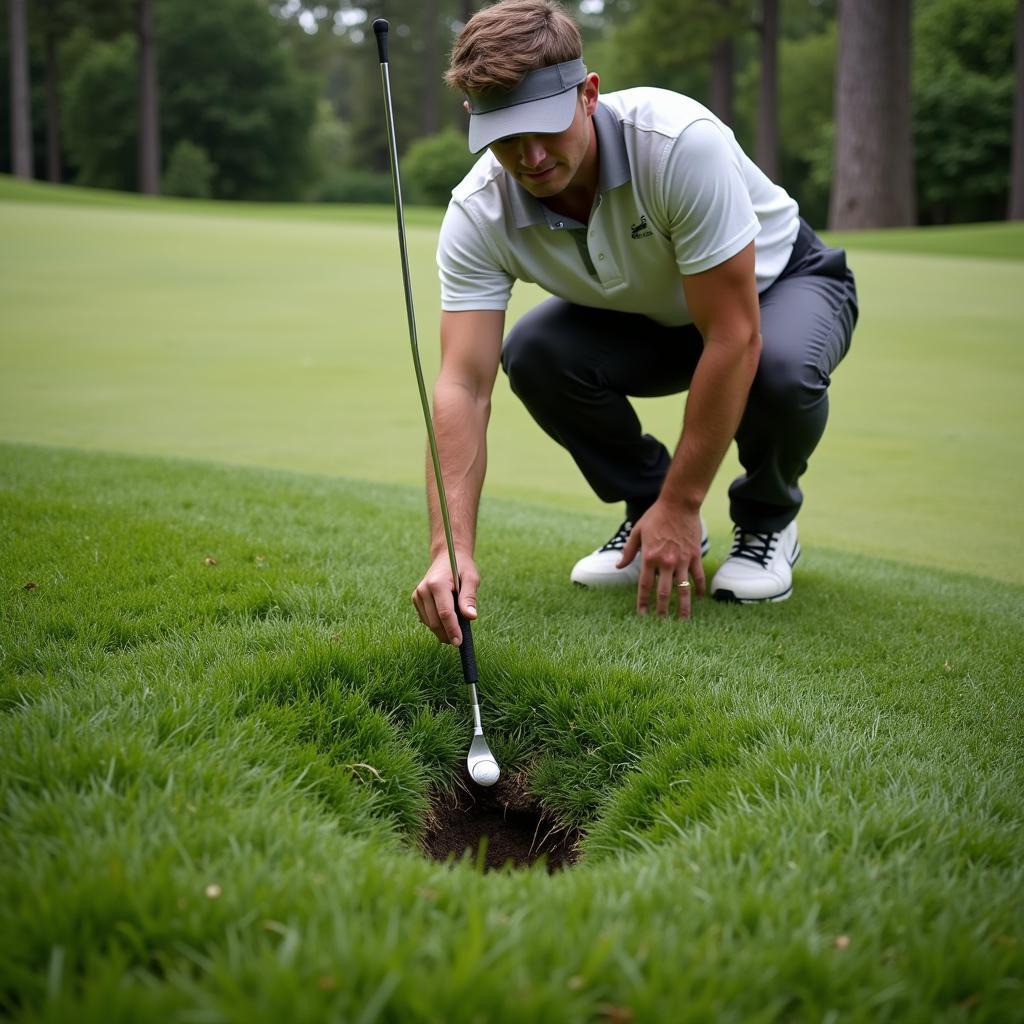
x=759 y=567
x=598 y=568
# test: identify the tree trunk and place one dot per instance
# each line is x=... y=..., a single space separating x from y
x=431 y=98
x=722 y=66
x=149 y=111
x=768 y=101
x=1016 y=211
x=52 y=105
x=21 y=97
x=873 y=172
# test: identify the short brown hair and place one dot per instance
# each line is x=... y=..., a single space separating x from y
x=502 y=43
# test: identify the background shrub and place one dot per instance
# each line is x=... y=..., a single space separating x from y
x=347 y=186
x=190 y=172
x=432 y=167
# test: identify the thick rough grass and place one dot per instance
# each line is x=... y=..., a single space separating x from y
x=221 y=726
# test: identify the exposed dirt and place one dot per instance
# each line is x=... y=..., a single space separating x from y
x=511 y=820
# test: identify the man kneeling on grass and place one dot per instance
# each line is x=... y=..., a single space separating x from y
x=674 y=264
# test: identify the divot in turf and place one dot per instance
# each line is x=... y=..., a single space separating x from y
x=501 y=825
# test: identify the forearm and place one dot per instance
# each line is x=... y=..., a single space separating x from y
x=460 y=423
x=717 y=399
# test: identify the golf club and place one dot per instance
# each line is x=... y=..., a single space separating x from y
x=480 y=762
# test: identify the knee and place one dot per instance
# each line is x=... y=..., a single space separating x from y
x=531 y=357
x=787 y=384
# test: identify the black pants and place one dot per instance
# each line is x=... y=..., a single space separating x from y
x=574 y=367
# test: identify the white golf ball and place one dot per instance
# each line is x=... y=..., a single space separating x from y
x=485 y=773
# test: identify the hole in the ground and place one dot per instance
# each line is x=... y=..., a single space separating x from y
x=516 y=828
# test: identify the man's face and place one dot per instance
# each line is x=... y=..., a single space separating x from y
x=546 y=164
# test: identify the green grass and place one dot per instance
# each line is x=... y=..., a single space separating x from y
x=22 y=191
x=998 y=241
x=755 y=783
x=995 y=241
x=799 y=812
x=276 y=336
x=220 y=722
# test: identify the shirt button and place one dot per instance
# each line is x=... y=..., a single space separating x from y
x=600 y=255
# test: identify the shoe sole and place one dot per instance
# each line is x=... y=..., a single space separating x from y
x=727 y=596
x=704 y=549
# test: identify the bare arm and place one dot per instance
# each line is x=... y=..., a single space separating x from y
x=470 y=354
x=725 y=308
x=726 y=311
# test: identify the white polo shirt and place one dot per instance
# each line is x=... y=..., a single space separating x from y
x=676 y=196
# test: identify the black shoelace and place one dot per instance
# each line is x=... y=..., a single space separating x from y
x=754 y=547
x=618 y=542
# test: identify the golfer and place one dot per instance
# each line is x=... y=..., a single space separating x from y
x=673 y=264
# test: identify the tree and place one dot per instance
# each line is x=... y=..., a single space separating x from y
x=723 y=69
x=368 y=136
x=99 y=113
x=149 y=106
x=963 y=103
x=768 y=94
x=230 y=87
x=1016 y=211
x=806 y=104
x=701 y=60
x=338 y=33
x=430 y=74
x=21 y=97
x=53 y=149
x=873 y=167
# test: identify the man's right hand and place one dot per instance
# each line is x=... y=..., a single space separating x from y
x=434 y=597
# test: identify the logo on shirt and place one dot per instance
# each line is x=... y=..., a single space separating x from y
x=641 y=230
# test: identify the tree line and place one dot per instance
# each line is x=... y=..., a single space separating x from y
x=871 y=112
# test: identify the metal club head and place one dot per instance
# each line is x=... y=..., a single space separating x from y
x=483 y=768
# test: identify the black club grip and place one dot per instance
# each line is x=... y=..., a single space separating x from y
x=380 y=30
x=466 y=651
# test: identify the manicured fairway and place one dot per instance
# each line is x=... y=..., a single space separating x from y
x=212 y=775
x=222 y=729
x=264 y=337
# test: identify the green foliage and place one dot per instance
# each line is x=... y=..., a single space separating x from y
x=975 y=35
x=189 y=172
x=228 y=86
x=963 y=92
x=100 y=113
x=641 y=56
x=330 y=142
x=345 y=186
x=432 y=167
x=963 y=107
x=806 y=76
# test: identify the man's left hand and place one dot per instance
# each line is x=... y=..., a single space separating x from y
x=669 y=538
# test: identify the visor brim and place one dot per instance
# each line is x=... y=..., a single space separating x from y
x=550 y=115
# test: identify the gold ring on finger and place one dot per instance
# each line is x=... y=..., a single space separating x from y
x=683 y=585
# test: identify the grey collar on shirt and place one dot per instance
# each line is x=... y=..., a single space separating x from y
x=613 y=171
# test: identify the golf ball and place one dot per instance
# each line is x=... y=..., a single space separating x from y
x=485 y=773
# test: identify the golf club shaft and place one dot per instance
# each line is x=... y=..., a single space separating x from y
x=380 y=28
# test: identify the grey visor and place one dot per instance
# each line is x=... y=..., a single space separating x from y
x=543 y=102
